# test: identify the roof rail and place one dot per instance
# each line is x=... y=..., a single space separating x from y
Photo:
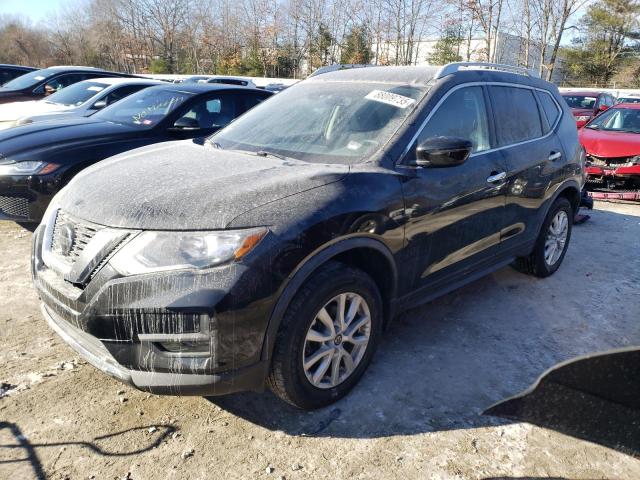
x=454 y=67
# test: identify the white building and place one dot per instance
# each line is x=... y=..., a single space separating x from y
x=507 y=49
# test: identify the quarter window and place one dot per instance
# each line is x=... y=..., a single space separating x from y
x=464 y=115
x=516 y=115
x=549 y=107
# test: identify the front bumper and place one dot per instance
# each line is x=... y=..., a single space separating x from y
x=24 y=198
x=161 y=383
x=121 y=325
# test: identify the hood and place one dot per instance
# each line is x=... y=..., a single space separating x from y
x=14 y=111
x=28 y=141
x=609 y=144
x=184 y=186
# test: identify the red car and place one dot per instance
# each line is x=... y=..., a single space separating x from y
x=586 y=105
x=612 y=142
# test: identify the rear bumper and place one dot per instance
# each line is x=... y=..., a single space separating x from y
x=161 y=383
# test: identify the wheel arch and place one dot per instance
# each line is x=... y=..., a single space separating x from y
x=571 y=192
x=366 y=253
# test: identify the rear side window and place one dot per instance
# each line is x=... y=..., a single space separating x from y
x=464 y=115
x=120 y=93
x=516 y=115
x=550 y=108
x=251 y=101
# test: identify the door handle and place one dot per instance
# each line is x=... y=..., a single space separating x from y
x=496 y=177
x=553 y=156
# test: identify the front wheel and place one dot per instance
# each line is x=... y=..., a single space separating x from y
x=553 y=240
x=327 y=337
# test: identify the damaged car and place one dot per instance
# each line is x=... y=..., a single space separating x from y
x=612 y=143
x=277 y=255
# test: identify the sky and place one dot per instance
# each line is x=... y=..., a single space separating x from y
x=34 y=10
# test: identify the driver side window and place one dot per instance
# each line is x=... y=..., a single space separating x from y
x=213 y=111
x=463 y=115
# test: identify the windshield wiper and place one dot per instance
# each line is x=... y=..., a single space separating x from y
x=265 y=153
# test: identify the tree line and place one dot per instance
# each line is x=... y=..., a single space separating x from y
x=291 y=38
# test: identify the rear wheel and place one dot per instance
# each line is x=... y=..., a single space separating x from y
x=553 y=240
x=327 y=337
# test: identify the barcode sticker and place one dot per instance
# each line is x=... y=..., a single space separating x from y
x=389 y=98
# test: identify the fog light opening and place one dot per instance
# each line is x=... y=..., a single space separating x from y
x=187 y=347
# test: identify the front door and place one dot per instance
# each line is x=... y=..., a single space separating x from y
x=454 y=214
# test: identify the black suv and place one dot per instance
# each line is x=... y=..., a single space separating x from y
x=277 y=253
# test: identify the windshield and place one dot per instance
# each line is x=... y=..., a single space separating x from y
x=580 y=101
x=76 y=94
x=618 y=120
x=144 y=109
x=343 y=122
x=30 y=79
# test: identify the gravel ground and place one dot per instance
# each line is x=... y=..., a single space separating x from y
x=416 y=414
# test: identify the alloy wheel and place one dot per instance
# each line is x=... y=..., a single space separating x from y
x=336 y=340
x=556 y=238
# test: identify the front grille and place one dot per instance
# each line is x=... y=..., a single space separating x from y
x=612 y=162
x=14 y=206
x=70 y=236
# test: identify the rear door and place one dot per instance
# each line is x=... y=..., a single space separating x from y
x=525 y=121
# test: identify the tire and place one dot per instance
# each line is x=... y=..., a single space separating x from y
x=536 y=263
x=288 y=378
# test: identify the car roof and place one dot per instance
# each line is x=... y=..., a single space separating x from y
x=21 y=67
x=591 y=93
x=630 y=106
x=411 y=74
x=197 y=88
x=125 y=80
x=73 y=67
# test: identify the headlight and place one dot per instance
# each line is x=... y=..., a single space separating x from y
x=582 y=118
x=27 y=168
x=161 y=251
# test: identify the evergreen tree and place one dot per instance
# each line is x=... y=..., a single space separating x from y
x=356 y=48
x=447 y=48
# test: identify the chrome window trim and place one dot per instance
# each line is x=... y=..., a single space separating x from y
x=479 y=84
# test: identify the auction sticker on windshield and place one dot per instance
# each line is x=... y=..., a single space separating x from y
x=389 y=98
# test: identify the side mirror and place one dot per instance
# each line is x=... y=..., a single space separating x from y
x=443 y=152
x=603 y=108
x=186 y=123
x=100 y=104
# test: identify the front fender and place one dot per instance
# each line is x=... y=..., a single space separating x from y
x=308 y=266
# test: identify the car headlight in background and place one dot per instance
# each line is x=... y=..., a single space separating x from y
x=162 y=251
x=582 y=118
x=24 y=121
x=27 y=168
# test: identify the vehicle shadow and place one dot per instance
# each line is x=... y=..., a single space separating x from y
x=24 y=447
x=440 y=366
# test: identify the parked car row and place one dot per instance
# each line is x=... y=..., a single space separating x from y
x=277 y=250
x=39 y=158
